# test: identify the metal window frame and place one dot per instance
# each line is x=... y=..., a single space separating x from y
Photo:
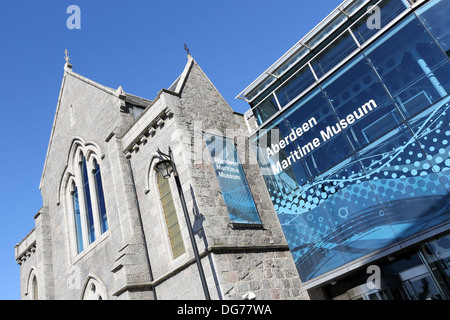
x=298 y=46
x=321 y=79
x=270 y=75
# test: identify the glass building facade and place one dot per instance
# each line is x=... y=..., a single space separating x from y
x=353 y=137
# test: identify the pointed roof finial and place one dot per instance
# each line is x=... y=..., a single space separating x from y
x=68 y=65
x=186 y=48
x=67 y=56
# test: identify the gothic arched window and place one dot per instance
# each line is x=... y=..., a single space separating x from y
x=170 y=215
x=87 y=209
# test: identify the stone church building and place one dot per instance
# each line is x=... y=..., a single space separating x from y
x=112 y=226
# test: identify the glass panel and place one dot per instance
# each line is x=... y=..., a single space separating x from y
x=333 y=54
x=170 y=214
x=352 y=208
x=380 y=295
x=368 y=26
x=432 y=129
x=307 y=233
x=294 y=199
x=409 y=292
x=77 y=216
x=363 y=107
x=316 y=108
x=354 y=6
x=260 y=88
x=286 y=65
x=340 y=18
x=373 y=296
x=437 y=256
x=284 y=186
x=265 y=109
x=398 y=293
x=436 y=18
x=381 y=178
x=294 y=86
x=100 y=198
x=411 y=194
x=412 y=66
x=276 y=158
x=87 y=198
x=425 y=289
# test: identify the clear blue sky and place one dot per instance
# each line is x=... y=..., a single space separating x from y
x=137 y=44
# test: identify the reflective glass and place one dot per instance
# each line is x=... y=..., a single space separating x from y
x=411 y=65
x=385 y=176
x=77 y=218
x=295 y=85
x=286 y=65
x=340 y=18
x=100 y=198
x=260 y=88
x=436 y=17
x=318 y=159
x=87 y=199
x=354 y=6
x=363 y=107
x=424 y=289
x=311 y=245
x=333 y=54
x=275 y=157
x=353 y=211
x=328 y=154
x=436 y=253
x=374 y=21
x=432 y=130
x=265 y=109
x=412 y=195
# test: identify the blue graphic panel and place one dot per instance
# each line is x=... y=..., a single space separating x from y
x=380 y=172
x=387 y=192
x=405 y=182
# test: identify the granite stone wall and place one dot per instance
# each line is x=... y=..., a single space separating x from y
x=133 y=259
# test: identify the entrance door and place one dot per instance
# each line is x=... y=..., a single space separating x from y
x=362 y=292
x=414 y=284
x=422 y=288
x=419 y=274
x=418 y=285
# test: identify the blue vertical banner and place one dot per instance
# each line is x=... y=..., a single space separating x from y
x=232 y=181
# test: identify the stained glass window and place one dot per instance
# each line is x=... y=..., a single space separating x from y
x=170 y=215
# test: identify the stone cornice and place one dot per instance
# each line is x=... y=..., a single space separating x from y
x=25 y=254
